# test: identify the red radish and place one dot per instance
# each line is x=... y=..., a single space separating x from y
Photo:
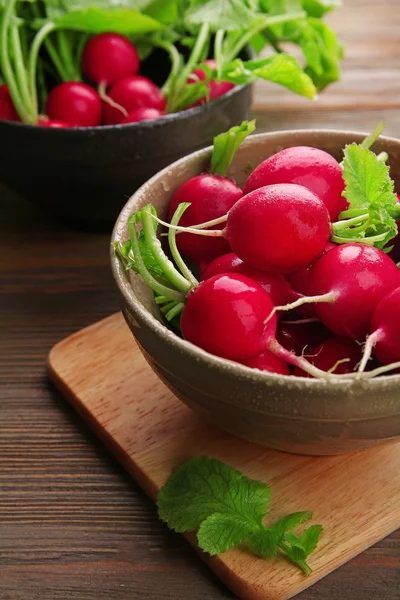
x=385 y=325
x=266 y=361
x=296 y=336
x=357 y=277
x=273 y=283
x=298 y=281
x=279 y=228
x=52 y=124
x=211 y=196
x=312 y=168
x=328 y=353
x=142 y=114
x=229 y=315
x=216 y=90
x=108 y=57
x=225 y=315
x=131 y=93
x=7 y=108
x=76 y=104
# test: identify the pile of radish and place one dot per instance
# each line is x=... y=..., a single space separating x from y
x=70 y=64
x=297 y=271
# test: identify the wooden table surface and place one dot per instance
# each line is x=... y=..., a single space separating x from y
x=73 y=524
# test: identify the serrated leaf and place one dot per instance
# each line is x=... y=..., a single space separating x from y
x=230 y=15
x=318 y=8
x=263 y=543
x=203 y=486
x=282 y=69
x=290 y=522
x=219 y=533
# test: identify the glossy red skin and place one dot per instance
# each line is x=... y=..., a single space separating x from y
x=142 y=114
x=296 y=337
x=298 y=281
x=361 y=275
x=76 y=104
x=211 y=196
x=225 y=316
x=279 y=228
x=52 y=124
x=7 y=108
x=315 y=169
x=386 y=321
x=216 y=89
x=131 y=93
x=325 y=356
x=108 y=57
x=273 y=283
x=266 y=361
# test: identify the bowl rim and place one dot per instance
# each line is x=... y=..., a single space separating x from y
x=198 y=354
x=180 y=115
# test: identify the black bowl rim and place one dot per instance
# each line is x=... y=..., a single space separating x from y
x=181 y=115
x=342 y=384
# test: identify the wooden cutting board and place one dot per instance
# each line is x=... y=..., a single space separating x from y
x=101 y=371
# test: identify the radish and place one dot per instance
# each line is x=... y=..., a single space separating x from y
x=216 y=89
x=384 y=342
x=52 y=124
x=266 y=361
x=273 y=283
x=278 y=228
x=298 y=281
x=108 y=57
x=351 y=279
x=210 y=196
x=76 y=104
x=297 y=335
x=227 y=315
x=131 y=93
x=142 y=114
x=337 y=355
x=312 y=168
x=7 y=108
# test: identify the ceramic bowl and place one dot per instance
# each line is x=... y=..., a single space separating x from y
x=85 y=175
x=304 y=416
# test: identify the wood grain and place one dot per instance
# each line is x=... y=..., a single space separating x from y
x=356 y=497
x=73 y=524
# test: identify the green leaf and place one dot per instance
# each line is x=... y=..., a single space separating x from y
x=226 y=145
x=191 y=93
x=282 y=69
x=318 y=8
x=297 y=556
x=308 y=541
x=263 y=543
x=230 y=15
x=370 y=191
x=164 y=11
x=97 y=20
x=219 y=532
x=203 y=486
x=125 y=253
x=290 y=522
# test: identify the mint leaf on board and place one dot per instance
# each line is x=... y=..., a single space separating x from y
x=282 y=69
x=203 y=486
x=228 y=509
x=230 y=15
x=372 y=200
x=119 y=20
x=226 y=145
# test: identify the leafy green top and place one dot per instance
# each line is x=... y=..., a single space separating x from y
x=228 y=509
x=373 y=207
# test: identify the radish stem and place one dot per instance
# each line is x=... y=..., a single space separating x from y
x=180 y=263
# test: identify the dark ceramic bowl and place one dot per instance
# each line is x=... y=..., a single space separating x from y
x=304 y=416
x=86 y=175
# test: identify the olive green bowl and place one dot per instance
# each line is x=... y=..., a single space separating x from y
x=303 y=416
